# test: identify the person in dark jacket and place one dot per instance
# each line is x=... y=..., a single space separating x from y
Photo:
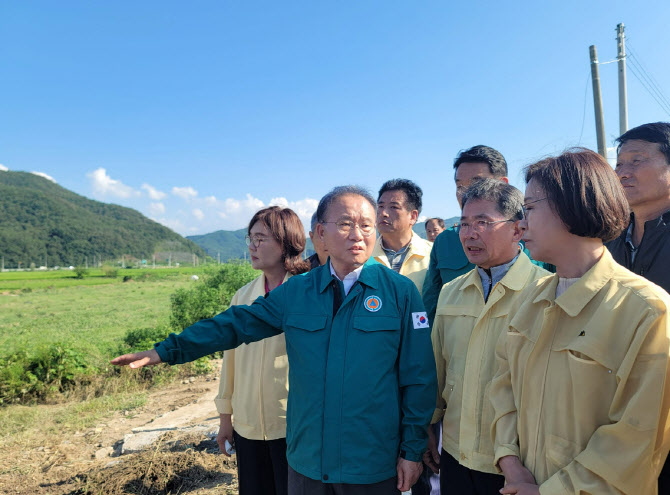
x=643 y=167
x=361 y=367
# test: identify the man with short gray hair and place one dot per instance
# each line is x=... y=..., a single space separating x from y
x=361 y=367
x=470 y=317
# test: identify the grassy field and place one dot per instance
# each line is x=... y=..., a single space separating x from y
x=24 y=281
x=93 y=313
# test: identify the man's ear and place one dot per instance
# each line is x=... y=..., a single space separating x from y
x=415 y=216
x=505 y=180
x=320 y=231
x=518 y=231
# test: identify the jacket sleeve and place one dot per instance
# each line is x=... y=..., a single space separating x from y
x=223 y=400
x=432 y=284
x=416 y=377
x=626 y=455
x=437 y=336
x=504 y=427
x=235 y=326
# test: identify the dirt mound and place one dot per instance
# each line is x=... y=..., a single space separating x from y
x=176 y=465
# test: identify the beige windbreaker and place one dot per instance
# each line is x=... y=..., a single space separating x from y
x=465 y=334
x=254 y=379
x=582 y=391
x=415 y=264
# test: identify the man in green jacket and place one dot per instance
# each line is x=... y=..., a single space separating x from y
x=361 y=367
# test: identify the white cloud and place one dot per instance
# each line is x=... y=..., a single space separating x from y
x=171 y=223
x=47 y=177
x=153 y=193
x=104 y=185
x=3 y=168
x=186 y=193
x=234 y=208
x=197 y=213
x=304 y=208
x=156 y=208
x=210 y=200
x=422 y=219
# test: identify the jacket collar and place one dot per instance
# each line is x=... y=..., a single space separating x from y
x=515 y=279
x=418 y=247
x=578 y=295
x=369 y=276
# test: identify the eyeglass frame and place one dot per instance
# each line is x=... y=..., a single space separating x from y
x=255 y=240
x=484 y=225
x=347 y=231
x=524 y=206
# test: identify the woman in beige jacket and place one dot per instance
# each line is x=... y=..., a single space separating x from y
x=582 y=392
x=254 y=377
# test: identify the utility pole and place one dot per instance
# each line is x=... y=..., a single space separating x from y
x=621 y=57
x=218 y=257
x=598 y=102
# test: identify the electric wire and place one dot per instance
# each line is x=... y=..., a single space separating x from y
x=635 y=59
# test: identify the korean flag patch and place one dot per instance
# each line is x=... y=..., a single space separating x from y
x=420 y=320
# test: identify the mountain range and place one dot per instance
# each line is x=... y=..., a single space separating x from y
x=44 y=224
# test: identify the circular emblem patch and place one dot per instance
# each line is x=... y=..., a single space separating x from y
x=372 y=303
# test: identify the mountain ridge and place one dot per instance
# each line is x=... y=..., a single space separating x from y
x=45 y=224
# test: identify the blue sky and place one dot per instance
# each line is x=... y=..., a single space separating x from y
x=198 y=113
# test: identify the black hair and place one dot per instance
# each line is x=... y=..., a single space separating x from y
x=657 y=132
x=486 y=154
x=413 y=193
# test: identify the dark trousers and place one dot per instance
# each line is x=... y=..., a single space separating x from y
x=664 y=478
x=456 y=479
x=261 y=466
x=302 y=485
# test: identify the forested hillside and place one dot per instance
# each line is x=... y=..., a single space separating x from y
x=42 y=222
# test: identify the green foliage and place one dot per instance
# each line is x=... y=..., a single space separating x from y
x=110 y=271
x=141 y=339
x=210 y=296
x=40 y=218
x=80 y=272
x=50 y=369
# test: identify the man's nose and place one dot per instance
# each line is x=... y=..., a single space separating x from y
x=356 y=232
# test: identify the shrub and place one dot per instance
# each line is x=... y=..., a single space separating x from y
x=80 y=272
x=211 y=296
x=110 y=271
x=50 y=369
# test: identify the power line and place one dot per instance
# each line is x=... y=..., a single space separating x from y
x=661 y=104
x=650 y=76
x=652 y=87
x=586 y=90
x=648 y=82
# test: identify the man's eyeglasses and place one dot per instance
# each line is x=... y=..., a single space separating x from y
x=256 y=240
x=346 y=226
x=478 y=226
x=525 y=208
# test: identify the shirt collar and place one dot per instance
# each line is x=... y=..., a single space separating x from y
x=516 y=277
x=577 y=296
x=363 y=273
x=399 y=251
x=350 y=276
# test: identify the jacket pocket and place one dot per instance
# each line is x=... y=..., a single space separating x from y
x=309 y=323
x=376 y=323
x=453 y=395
